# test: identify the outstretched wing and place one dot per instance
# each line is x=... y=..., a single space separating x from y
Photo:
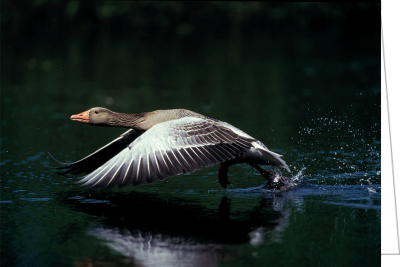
x=102 y=155
x=168 y=149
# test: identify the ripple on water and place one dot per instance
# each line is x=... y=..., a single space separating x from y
x=95 y=201
x=36 y=198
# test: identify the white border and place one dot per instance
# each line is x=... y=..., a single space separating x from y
x=390 y=244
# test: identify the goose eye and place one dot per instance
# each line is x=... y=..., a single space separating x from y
x=96 y=112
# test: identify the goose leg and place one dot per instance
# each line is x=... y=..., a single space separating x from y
x=223 y=170
x=271 y=176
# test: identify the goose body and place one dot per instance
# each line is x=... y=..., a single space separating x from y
x=165 y=143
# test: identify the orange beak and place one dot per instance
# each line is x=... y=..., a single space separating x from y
x=82 y=117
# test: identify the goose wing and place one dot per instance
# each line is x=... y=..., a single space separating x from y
x=265 y=155
x=100 y=156
x=168 y=149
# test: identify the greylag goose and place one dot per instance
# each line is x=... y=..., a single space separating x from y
x=165 y=143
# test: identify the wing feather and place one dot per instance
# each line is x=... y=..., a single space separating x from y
x=125 y=179
x=165 y=150
x=140 y=173
x=95 y=160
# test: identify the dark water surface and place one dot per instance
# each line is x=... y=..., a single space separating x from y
x=320 y=111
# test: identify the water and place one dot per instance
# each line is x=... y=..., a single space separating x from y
x=320 y=110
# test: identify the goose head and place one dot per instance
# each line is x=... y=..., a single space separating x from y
x=95 y=116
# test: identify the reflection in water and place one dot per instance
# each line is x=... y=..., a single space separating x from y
x=183 y=236
x=148 y=249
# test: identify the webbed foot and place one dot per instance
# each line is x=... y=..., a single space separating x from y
x=271 y=176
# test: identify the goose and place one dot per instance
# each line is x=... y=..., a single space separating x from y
x=164 y=143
